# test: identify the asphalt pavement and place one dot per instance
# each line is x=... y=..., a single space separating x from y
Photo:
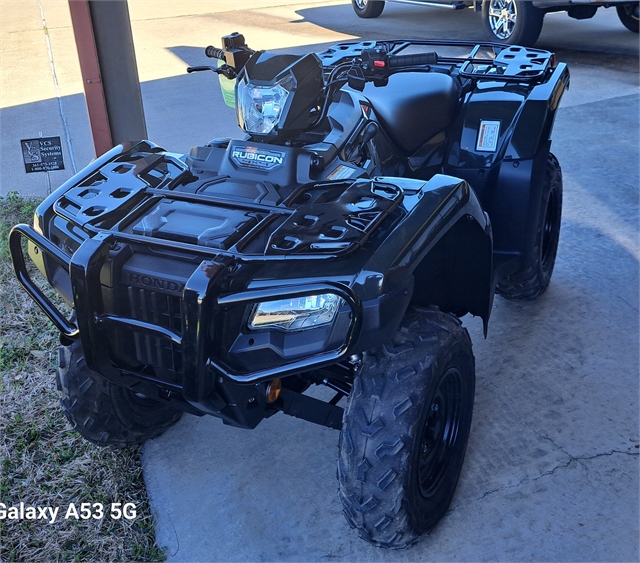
x=551 y=472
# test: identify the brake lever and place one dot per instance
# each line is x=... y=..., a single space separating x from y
x=201 y=68
x=226 y=70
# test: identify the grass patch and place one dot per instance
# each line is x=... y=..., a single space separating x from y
x=43 y=462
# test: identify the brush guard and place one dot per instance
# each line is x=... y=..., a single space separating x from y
x=200 y=298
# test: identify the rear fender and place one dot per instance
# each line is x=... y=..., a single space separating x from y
x=515 y=206
x=532 y=130
x=505 y=121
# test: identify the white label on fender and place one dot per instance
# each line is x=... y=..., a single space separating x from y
x=488 y=136
x=341 y=173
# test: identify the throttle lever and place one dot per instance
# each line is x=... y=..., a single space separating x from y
x=356 y=78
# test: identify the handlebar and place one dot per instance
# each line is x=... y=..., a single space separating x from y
x=376 y=65
x=399 y=61
x=377 y=61
x=214 y=53
x=234 y=54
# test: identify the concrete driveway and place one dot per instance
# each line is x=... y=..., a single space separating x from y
x=551 y=472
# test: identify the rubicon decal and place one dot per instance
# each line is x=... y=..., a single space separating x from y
x=260 y=159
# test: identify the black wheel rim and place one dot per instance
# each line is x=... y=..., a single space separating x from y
x=136 y=400
x=550 y=230
x=440 y=433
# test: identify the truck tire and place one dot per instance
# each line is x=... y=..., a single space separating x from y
x=628 y=14
x=104 y=413
x=367 y=8
x=514 y=22
x=405 y=430
x=532 y=279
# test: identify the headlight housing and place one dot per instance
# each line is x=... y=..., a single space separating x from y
x=263 y=107
x=277 y=94
x=298 y=313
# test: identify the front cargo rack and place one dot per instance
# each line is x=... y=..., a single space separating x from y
x=106 y=228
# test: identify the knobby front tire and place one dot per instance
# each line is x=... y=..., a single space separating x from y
x=405 y=430
x=104 y=413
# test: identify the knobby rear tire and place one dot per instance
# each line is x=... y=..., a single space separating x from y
x=104 y=413
x=405 y=430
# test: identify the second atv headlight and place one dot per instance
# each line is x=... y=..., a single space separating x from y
x=298 y=313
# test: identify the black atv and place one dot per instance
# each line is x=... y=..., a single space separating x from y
x=384 y=190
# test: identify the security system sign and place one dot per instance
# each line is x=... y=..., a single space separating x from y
x=42 y=155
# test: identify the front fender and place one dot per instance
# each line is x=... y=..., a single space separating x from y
x=445 y=244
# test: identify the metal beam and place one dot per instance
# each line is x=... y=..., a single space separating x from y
x=108 y=63
x=91 y=79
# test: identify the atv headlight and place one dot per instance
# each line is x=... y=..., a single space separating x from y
x=278 y=94
x=261 y=108
x=298 y=313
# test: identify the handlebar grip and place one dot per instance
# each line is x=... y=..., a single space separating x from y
x=398 y=61
x=214 y=53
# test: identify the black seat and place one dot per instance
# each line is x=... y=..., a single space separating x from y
x=414 y=106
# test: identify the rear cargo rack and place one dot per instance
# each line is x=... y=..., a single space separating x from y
x=503 y=63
